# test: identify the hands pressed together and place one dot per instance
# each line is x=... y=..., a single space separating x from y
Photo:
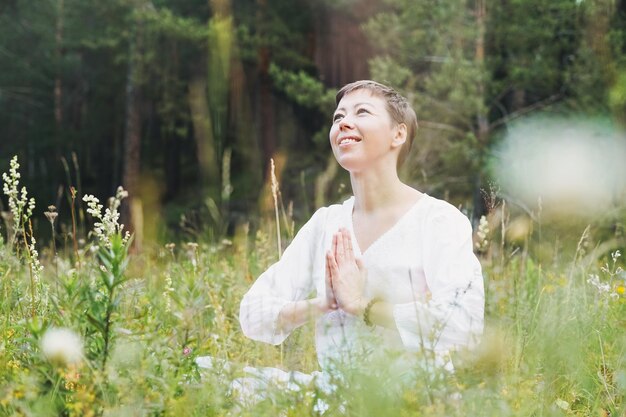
x=345 y=276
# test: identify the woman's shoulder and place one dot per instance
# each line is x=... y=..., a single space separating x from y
x=439 y=212
x=332 y=212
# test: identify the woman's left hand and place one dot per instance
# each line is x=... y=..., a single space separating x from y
x=348 y=274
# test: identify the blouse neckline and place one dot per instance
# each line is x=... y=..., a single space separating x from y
x=401 y=219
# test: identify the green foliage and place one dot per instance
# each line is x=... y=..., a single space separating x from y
x=469 y=71
x=428 y=51
x=303 y=89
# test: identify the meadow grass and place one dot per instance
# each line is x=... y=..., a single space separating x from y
x=554 y=342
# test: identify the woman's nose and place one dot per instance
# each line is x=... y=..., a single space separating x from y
x=346 y=122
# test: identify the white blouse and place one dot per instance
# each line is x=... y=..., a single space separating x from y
x=424 y=265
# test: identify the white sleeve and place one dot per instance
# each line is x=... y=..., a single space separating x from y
x=289 y=279
x=454 y=315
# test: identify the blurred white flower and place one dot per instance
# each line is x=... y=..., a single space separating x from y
x=62 y=346
x=594 y=280
x=574 y=165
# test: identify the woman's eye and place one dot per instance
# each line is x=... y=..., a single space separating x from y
x=337 y=117
x=359 y=111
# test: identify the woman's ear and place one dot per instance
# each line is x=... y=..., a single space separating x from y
x=400 y=136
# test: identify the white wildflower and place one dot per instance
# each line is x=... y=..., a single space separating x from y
x=20 y=206
x=192 y=253
x=167 y=291
x=107 y=224
x=594 y=280
x=562 y=404
x=603 y=288
x=62 y=346
x=482 y=243
x=34 y=255
x=615 y=256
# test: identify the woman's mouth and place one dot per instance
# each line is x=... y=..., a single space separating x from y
x=348 y=140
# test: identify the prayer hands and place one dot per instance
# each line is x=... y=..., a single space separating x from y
x=345 y=274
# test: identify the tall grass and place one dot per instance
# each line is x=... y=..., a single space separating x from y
x=554 y=345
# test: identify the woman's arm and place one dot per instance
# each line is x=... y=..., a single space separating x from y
x=454 y=315
x=276 y=303
x=297 y=313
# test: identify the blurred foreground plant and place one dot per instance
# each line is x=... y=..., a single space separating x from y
x=106 y=299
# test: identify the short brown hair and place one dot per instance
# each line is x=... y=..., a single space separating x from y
x=398 y=107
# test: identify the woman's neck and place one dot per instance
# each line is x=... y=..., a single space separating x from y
x=377 y=189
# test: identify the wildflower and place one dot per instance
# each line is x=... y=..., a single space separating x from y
x=71 y=379
x=51 y=214
x=14 y=364
x=166 y=293
x=170 y=246
x=621 y=290
x=37 y=267
x=107 y=224
x=594 y=280
x=192 y=252
x=186 y=351
x=483 y=232
x=20 y=206
x=62 y=346
x=563 y=405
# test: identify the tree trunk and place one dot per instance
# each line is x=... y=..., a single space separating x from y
x=265 y=103
x=203 y=130
x=58 y=86
x=482 y=119
x=132 y=133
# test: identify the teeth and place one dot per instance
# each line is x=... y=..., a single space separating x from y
x=347 y=140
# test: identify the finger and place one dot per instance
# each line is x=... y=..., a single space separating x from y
x=328 y=271
x=341 y=250
x=330 y=291
x=331 y=267
x=348 y=243
x=334 y=245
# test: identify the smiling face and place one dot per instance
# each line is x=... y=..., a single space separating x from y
x=363 y=133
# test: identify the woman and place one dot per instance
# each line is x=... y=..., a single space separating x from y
x=390 y=267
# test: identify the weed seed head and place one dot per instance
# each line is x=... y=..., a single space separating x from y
x=62 y=346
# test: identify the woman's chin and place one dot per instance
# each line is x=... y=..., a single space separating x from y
x=352 y=165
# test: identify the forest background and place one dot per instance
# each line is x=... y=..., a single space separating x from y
x=184 y=102
x=214 y=116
